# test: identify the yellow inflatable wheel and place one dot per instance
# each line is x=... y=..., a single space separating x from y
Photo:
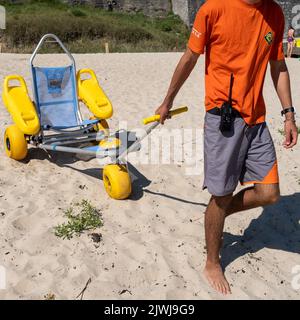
x=101 y=126
x=110 y=143
x=15 y=143
x=117 y=181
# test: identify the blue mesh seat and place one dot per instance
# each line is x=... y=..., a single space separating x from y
x=56 y=98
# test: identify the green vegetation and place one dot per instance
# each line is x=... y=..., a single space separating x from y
x=86 y=29
x=82 y=217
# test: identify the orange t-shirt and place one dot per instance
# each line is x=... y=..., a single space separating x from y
x=241 y=39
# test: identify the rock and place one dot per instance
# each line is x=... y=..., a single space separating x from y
x=185 y=9
x=96 y=237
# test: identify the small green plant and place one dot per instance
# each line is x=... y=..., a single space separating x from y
x=81 y=217
x=77 y=12
x=166 y=27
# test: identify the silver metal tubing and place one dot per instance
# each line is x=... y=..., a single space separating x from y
x=62 y=143
x=100 y=155
x=136 y=144
x=67 y=52
x=67 y=149
x=87 y=127
x=79 y=138
x=55 y=39
x=66 y=135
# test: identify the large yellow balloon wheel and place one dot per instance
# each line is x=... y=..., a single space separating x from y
x=117 y=181
x=15 y=143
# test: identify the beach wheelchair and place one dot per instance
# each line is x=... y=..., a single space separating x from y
x=53 y=121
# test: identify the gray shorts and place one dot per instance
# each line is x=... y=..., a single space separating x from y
x=247 y=154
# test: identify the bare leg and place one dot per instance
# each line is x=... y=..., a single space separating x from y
x=290 y=50
x=258 y=196
x=218 y=209
x=214 y=223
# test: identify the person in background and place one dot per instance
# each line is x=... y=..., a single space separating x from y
x=291 y=41
x=111 y=4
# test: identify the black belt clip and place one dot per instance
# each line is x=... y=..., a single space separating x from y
x=227 y=111
x=227 y=117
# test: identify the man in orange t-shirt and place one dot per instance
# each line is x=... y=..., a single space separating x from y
x=240 y=38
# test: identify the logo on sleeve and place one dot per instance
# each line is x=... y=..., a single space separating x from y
x=269 y=38
x=196 y=33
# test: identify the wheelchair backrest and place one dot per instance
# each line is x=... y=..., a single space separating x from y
x=56 y=96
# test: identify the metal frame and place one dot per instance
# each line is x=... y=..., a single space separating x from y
x=60 y=139
x=55 y=39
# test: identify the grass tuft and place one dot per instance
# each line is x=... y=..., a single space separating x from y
x=81 y=217
x=77 y=12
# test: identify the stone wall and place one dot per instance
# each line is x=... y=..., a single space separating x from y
x=186 y=9
x=292 y=14
x=148 y=7
x=291 y=10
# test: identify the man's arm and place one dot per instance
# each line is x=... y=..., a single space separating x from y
x=182 y=72
x=281 y=79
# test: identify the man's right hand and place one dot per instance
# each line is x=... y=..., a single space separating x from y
x=182 y=72
x=163 y=111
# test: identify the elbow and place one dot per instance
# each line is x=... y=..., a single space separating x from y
x=277 y=69
x=278 y=66
x=190 y=58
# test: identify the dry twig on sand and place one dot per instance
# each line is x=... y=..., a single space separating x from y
x=84 y=289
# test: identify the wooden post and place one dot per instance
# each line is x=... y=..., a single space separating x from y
x=106 y=47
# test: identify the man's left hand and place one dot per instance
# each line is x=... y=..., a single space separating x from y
x=291 y=134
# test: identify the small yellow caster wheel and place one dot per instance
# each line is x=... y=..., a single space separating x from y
x=110 y=143
x=101 y=126
x=117 y=181
x=15 y=143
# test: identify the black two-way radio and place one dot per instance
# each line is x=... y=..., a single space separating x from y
x=227 y=111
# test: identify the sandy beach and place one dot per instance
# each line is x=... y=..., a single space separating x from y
x=153 y=244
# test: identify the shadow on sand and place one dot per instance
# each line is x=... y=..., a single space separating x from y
x=139 y=181
x=276 y=228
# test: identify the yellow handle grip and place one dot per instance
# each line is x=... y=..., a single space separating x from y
x=15 y=77
x=172 y=113
x=86 y=71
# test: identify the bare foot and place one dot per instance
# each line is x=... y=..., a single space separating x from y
x=215 y=276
